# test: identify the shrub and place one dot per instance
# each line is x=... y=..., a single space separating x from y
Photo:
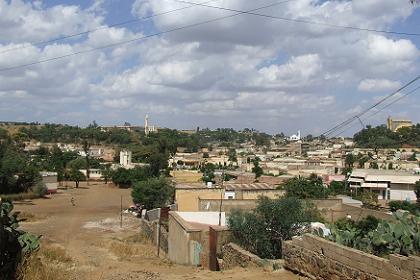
x=40 y=189
x=403 y=205
x=274 y=220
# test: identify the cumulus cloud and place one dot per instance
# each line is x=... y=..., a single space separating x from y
x=374 y=85
x=241 y=71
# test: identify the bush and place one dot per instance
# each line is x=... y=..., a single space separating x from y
x=403 y=205
x=274 y=220
x=40 y=189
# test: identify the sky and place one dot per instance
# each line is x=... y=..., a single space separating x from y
x=238 y=72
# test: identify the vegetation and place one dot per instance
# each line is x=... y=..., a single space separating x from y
x=382 y=137
x=274 y=220
x=401 y=236
x=256 y=169
x=153 y=193
x=126 y=178
x=305 y=188
x=404 y=205
x=208 y=172
x=15 y=244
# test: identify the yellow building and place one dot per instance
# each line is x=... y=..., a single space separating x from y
x=190 y=197
x=394 y=125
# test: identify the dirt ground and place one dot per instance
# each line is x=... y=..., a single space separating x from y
x=96 y=246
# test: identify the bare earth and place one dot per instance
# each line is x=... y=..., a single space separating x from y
x=91 y=235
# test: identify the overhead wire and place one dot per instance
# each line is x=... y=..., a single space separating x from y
x=351 y=119
x=139 y=38
x=381 y=109
x=304 y=21
x=122 y=23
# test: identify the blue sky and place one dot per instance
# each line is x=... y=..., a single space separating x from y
x=240 y=72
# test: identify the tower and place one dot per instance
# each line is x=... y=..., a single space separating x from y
x=146 y=125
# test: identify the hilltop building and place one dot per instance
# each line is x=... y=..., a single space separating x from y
x=295 y=137
x=394 y=125
x=148 y=128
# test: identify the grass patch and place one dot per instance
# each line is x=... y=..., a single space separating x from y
x=55 y=254
x=19 y=196
x=35 y=269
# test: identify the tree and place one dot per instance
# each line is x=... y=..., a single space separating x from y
x=208 y=172
x=262 y=230
x=76 y=176
x=305 y=188
x=257 y=170
x=350 y=160
x=122 y=178
x=153 y=193
x=417 y=191
x=106 y=172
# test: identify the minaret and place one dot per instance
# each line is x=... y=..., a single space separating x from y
x=298 y=135
x=146 y=125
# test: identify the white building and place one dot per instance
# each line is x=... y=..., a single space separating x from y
x=125 y=158
x=148 y=128
x=295 y=137
x=388 y=184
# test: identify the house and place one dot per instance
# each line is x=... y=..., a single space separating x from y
x=199 y=197
x=387 y=184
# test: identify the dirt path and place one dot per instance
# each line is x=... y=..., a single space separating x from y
x=90 y=234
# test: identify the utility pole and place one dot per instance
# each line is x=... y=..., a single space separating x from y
x=221 y=197
x=121 y=212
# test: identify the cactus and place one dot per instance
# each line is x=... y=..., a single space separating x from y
x=14 y=243
x=401 y=236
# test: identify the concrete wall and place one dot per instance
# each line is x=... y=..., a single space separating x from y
x=253 y=194
x=184 y=241
x=356 y=213
x=187 y=199
x=318 y=258
x=227 y=204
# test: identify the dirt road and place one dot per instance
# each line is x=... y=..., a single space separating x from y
x=98 y=248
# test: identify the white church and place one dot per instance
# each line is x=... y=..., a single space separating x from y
x=295 y=137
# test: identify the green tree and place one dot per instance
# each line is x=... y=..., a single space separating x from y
x=153 y=193
x=350 y=160
x=208 y=172
x=262 y=230
x=417 y=192
x=122 y=178
x=257 y=170
x=305 y=188
x=106 y=172
x=76 y=176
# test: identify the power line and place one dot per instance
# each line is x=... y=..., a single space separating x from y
x=351 y=119
x=305 y=21
x=381 y=109
x=138 y=38
x=102 y=28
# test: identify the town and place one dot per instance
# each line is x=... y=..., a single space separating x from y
x=200 y=140
x=200 y=196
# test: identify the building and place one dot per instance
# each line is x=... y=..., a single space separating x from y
x=199 y=197
x=394 y=125
x=388 y=184
x=295 y=137
x=50 y=181
x=148 y=128
x=125 y=158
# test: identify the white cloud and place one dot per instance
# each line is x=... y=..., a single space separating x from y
x=375 y=85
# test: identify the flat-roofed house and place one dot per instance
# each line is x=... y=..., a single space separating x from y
x=388 y=184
